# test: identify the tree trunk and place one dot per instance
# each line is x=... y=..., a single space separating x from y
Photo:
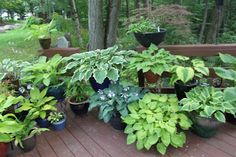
x=204 y=21
x=137 y=4
x=95 y=22
x=215 y=24
x=127 y=8
x=76 y=17
x=114 y=9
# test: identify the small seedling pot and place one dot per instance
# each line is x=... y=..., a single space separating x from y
x=58 y=126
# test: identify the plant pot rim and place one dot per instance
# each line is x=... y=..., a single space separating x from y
x=187 y=84
x=76 y=103
x=162 y=30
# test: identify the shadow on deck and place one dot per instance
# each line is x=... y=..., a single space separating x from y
x=87 y=136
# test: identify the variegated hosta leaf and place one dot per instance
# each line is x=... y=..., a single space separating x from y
x=113 y=74
x=230 y=94
x=198 y=63
x=225 y=73
x=226 y=58
x=202 y=70
x=185 y=74
x=100 y=75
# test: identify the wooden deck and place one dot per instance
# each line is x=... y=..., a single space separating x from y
x=87 y=136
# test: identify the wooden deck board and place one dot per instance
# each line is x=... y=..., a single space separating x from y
x=87 y=136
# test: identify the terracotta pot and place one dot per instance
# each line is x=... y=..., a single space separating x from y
x=151 y=77
x=45 y=43
x=3 y=149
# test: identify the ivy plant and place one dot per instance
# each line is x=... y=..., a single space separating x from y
x=184 y=74
x=155 y=60
x=100 y=64
x=207 y=102
x=38 y=104
x=114 y=99
x=154 y=121
x=49 y=73
x=228 y=74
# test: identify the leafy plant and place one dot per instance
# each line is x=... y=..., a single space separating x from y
x=184 y=74
x=143 y=26
x=154 y=121
x=7 y=88
x=114 y=99
x=99 y=64
x=155 y=60
x=55 y=117
x=38 y=104
x=45 y=72
x=207 y=102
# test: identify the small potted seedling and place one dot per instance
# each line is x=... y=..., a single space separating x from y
x=58 y=120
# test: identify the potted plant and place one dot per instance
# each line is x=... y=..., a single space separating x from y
x=77 y=95
x=186 y=77
x=98 y=66
x=113 y=102
x=58 y=120
x=154 y=62
x=43 y=33
x=230 y=75
x=38 y=106
x=3 y=149
x=49 y=73
x=156 y=120
x=206 y=106
x=147 y=32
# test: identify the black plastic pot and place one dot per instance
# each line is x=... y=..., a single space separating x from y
x=116 y=122
x=29 y=144
x=230 y=118
x=204 y=127
x=57 y=92
x=145 y=39
x=79 y=108
x=96 y=86
x=45 y=43
x=58 y=126
x=42 y=123
x=181 y=89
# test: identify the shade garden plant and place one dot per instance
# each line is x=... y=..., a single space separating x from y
x=58 y=120
x=154 y=120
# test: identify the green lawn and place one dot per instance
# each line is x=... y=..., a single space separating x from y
x=13 y=45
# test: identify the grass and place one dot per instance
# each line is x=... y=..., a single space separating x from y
x=13 y=45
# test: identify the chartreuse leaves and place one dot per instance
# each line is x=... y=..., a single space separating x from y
x=153 y=121
x=209 y=102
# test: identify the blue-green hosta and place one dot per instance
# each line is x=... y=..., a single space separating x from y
x=154 y=120
x=114 y=99
x=228 y=74
x=187 y=73
x=207 y=102
x=100 y=64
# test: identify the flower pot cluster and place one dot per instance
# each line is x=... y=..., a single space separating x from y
x=94 y=79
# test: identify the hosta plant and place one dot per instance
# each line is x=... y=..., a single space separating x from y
x=48 y=73
x=207 y=102
x=155 y=60
x=154 y=120
x=100 y=64
x=38 y=104
x=145 y=25
x=114 y=99
x=184 y=74
x=55 y=117
x=228 y=74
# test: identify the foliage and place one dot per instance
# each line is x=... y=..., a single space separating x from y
x=7 y=89
x=55 y=117
x=11 y=69
x=100 y=64
x=207 y=102
x=188 y=73
x=32 y=20
x=45 y=72
x=155 y=60
x=38 y=104
x=114 y=99
x=143 y=26
x=154 y=120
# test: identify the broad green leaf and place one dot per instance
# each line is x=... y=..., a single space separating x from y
x=140 y=144
x=113 y=74
x=128 y=129
x=220 y=116
x=5 y=138
x=230 y=94
x=165 y=137
x=129 y=120
x=141 y=134
x=225 y=73
x=209 y=110
x=227 y=58
x=161 y=148
x=100 y=75
x=202 y=70
x=185 y=74
x=178 y=140
x=131 y=138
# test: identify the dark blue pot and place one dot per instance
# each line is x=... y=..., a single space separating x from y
x=57 y=92
x=42 y=123
x=60 y=125
x=96 y=86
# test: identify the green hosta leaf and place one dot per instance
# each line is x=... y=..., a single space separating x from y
x=209 y=110
x=165 y=137
x=152 y=139
x=163 y=98
x=113 y=74
x=150 y=118
x=42 y=115
x=178 y=140
x=117 y=60
x=220 y=116
x=137 y=126
x=46 y=82
x=202 y=70
x=227 y=58
x=185 y=74
x=140 y=144
x=141 y=134
x=10 y=126
x=34 y=93
x=198 y=63
x=131 y=138
x=129 y=120
x=5 y=138
x=170 y=129
x=100 y=75
x=230 y=94
x=226 y=74
x=161 y=148
x=128 y=129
